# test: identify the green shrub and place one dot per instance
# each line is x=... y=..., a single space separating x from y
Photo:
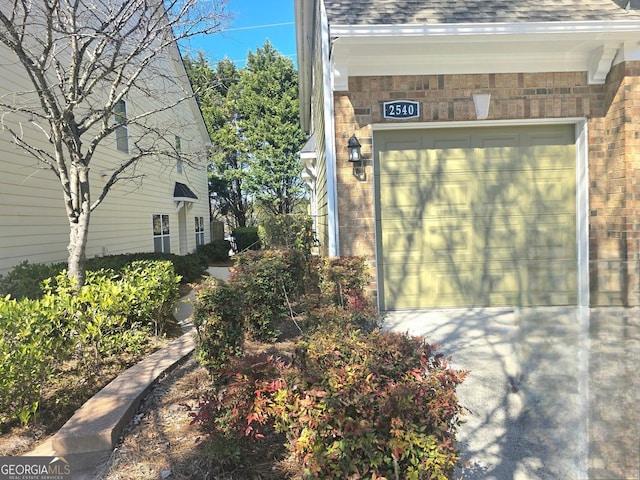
x=33 y=341
x=219 y=322
x=356 y=403
x=113 y=312
x=377 y=404
x=288 y=231
x=359 y=312
x=216 y=251
x=343 y=277
x=268 y=279
x=188 y=267
x=155 y=285
x=25 y=279
x=246 y=238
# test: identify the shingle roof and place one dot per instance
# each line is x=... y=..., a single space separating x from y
x=182 y=191
x=389 y=12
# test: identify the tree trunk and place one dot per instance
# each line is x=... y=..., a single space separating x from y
x=77 y=260
x=79 y=217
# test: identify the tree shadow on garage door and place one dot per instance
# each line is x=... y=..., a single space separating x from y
x=477 y=219
x=486 y=219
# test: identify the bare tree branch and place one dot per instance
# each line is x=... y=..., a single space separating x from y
x=80 y=59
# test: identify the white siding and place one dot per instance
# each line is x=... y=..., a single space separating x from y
x=33 y=223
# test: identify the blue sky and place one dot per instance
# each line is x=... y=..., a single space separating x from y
x=254 y=21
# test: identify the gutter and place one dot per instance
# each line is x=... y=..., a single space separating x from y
x=465 y=29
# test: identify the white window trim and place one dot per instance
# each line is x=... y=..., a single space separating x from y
x=162 y=236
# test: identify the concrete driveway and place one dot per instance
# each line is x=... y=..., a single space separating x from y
x=540 y=397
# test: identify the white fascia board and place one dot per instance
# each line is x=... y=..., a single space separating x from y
x=329 y=133
x=427 y=64
x=465 y=29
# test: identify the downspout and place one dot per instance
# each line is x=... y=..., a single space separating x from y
x=329 y=136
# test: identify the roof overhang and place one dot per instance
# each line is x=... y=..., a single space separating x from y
x=182 y=193
x=373 y=50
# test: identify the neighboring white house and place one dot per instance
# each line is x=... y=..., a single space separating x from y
x=161 y=206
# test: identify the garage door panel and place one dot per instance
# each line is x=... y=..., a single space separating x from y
x=494 y=140
x=407 y=286
x=423 y=198
x=448 y=240
x=551 y=193
x=412 y=285
x=486 y=217
x=397 y=161
x=549 y=137
x=451 y=197
x=550 y=238
x=553 y=282
x=403 y=191
x=497 y=192
x=500 y=243
x=404 y=247
x=402 y=194
x=450 y=160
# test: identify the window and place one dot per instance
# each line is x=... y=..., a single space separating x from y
x=122 y=134
x=161 y=234
x=199 y=231
x=179 y=162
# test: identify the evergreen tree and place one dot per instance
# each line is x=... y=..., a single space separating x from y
x=270 y=128
x=217 y=95
x=253 y=119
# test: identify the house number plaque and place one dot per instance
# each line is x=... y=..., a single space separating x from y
x=401 y=109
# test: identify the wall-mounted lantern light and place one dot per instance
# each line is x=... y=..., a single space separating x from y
x=355 y=157
x=355 y=149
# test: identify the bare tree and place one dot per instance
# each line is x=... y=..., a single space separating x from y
x=81 y=59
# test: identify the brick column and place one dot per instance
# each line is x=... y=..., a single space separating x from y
x=614 y=192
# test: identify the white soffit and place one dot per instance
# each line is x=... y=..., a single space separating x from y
x=481 y=48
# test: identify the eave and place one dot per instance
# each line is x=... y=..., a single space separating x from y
x=373 y=50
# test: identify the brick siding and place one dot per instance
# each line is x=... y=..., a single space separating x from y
x=613 y=113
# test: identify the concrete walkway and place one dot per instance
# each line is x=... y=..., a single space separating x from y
x=89 y=437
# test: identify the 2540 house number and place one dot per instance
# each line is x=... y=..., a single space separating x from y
x=401 y=109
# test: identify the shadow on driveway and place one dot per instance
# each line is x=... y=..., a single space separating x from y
x=527 y=392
